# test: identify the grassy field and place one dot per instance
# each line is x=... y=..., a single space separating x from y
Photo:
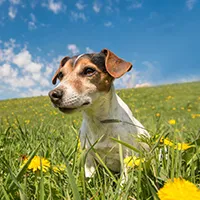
x=31 y=127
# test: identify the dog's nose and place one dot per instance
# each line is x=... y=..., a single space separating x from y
x=56 y=95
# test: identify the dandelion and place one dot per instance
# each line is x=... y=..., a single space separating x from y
x=157 y=114
x=195 y=116
x=182 y=146
x=168 y=98
x=35 y=163
x=173 y=108
x=189 y=110
x=132 y=161
x=166 y=142
x=27 y=121
x=172 y=121
x=59 y=168
x=179 y=189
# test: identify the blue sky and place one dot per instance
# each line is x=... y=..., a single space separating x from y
x=160 y=38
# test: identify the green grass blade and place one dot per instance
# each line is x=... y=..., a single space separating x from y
x=41 y=195
x=127 y=145
x=72 y=180
x=6 y=195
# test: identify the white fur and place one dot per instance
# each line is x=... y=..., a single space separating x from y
x=78 y=58
x=108 y=106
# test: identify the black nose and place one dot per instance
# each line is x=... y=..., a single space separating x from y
x=55 y=95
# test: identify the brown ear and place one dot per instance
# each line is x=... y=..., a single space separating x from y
x=115 y=66
x=62 y=63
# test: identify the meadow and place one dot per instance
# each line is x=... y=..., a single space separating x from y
x=33 y=130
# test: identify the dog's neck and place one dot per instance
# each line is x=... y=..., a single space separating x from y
x=105 y=107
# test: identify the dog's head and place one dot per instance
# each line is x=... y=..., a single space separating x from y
x=84 y=78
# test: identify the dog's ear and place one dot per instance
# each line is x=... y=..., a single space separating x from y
x=115 y=66
x=62 y=63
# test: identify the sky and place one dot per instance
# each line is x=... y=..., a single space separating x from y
x=161 y=38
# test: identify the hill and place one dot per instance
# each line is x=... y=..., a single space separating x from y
x=177 y=101
x=40 y=155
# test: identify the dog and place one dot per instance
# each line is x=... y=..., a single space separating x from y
x=86 y=85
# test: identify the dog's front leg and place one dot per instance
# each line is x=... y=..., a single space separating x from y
x=89 y=166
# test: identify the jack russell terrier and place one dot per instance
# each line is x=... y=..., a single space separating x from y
x=86 y=84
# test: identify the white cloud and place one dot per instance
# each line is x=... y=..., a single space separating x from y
x=33 y=18
x=7 y=72
x=6 y=54
x=31 y=25
x=148 y=64
x=96 y=7
x=33 y=67
x=142 y=78
x=108 y=24
x=22 y=59
x=20 y=72
x=89 y=50
x=190 y=4
x=73 y=49
x=12 y=12
x=143 y=85
x=188 y=78
x=135 y=4
x=35 y=92
x=32 y=22
x=80 y=5
x=128 y=80
x=55 y=7
x=76 y=16
x=15 y=2
x=48 y=71
x=20 y=82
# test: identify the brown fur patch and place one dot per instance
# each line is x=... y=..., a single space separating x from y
x=100 y=81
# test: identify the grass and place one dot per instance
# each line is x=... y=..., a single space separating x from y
x=31 y=126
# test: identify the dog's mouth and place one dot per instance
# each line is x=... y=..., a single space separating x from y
x=67 y=110
x=72 y=109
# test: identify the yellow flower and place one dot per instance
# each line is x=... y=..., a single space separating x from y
x=195 y=116
x=35 y=163
x=172 y=121
x=27 y=121
x=166 y=142
x=173 y=108
x=179 y=189
x=169 y=97
x=132 y=161
x=59 y=168
x=182 y=146
x=189 y=110
x=157 y=114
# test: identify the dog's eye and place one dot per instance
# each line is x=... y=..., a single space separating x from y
x=60 y=75
x=89 y=71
